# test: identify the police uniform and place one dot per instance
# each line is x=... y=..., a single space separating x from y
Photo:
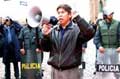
x=107 y=36
x=28 y=37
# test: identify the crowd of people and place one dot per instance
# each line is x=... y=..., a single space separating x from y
x=66 y=43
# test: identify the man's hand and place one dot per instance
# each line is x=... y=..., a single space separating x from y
x=46 y=29
x=101 y=49
x=83 y=49
x=74 y=14
x=38 y=50
x=22 y=51
x=118 y=49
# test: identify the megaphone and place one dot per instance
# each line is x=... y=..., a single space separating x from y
x=35 y=17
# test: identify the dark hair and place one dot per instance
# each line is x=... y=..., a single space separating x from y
x=8 y=19
x=66 y=7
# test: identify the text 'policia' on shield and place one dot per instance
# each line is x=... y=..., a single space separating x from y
x=30 y=66
x=108 y=67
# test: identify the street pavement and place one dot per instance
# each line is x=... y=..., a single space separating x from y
x=89 y=57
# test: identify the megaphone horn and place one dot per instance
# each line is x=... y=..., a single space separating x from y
x=34 y=16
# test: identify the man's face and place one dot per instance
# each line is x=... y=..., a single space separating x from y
x=7 y=22
x=110 y=17
x=63 y=16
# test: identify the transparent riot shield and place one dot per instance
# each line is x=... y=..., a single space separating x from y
x=31 y=65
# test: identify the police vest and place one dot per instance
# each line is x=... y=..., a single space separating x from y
x=29 y=38
x=109 y=35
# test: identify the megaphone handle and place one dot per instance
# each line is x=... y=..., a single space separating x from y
x=48 y=32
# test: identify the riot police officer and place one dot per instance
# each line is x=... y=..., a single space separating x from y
x=31 y=52
x=107 y=41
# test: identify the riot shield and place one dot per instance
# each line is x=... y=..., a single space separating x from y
x=31 y=65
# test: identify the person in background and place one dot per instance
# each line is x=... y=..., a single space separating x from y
x=31 y=51
x=11 y=49
x=100 y=18
x=65 y=43
x=107 y=41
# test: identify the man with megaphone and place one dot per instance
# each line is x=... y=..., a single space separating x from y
x=64 y=42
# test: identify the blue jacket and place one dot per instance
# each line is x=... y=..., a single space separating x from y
x=14 y=46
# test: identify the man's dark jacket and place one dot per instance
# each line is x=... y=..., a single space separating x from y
x=67 y=54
